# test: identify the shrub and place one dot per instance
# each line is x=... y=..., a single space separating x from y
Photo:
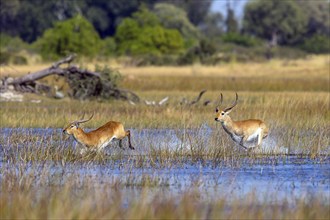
x=317 y=44
x=143 y=35
x=242 y=40
x=4 y=57
x=75 y=35
x=19 y=60
x=202 y=53
x=12 y=44
x=108 y=47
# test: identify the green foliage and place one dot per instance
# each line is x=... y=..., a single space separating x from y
x=12 y=44
x=317 y=44
x=231 y=22
x=203 y=53
x=108 y=47
x=213 y=25
x=318 y=16
x=196 y=10
x=173 y=17
x=143 y=34
x=144 y=17
x=242 y=40
x=281 y=21
x=75 y=35
x=30 y=18
x=10 y=47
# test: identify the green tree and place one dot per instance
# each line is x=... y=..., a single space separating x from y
x=278 y=21
x=173 y=17
x=317 y=44
x=8 y=11
x=28 y=19
x=197 y=10
x=231 y=22
x=143 y=34
x=213 y=26
x=75 y=35
x=318 y=16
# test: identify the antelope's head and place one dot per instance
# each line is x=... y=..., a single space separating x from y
x=223 y=115
x=73 y=126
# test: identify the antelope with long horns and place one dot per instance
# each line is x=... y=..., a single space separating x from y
x=241 y=131
x=99 y=138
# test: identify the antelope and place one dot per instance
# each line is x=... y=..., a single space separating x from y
x=99 y=138
x=241 y=131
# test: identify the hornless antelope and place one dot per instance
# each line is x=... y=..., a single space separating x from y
x=99 y=138
x=241 y=131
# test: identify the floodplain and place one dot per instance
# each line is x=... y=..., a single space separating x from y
x=185 y=166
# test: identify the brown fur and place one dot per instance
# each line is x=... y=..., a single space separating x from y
x=97 y=138
x=241 y=129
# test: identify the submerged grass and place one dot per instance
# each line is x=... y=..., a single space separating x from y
x=297 y=120
x=36 y=192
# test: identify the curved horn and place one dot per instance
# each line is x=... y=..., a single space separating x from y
x=83 y=120
x=235 y=103
x=220 y=102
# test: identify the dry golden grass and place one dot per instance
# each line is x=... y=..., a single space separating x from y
x=294 y=109
x=310 y=67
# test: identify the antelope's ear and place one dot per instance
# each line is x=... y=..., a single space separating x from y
x=226 y=112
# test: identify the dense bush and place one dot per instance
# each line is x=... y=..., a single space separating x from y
x=239 y=39
x=143 y=34
x=108 y=47
x=203 y=53
x=75 y=35
x=10 y=48
x=317 y=44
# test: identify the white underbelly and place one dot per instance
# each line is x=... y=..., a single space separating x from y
x=254 y=135
x=106 y=143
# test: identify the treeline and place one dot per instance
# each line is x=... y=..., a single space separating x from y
x=162 y=32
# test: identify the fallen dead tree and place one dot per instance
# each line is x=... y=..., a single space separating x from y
x=84 y=84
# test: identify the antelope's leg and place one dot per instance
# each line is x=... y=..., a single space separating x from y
x=128 y=134
x=241 y=143
x=120 y=143
x=261 y=134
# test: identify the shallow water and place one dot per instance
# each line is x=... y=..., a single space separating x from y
x=170 y=139
x=275 y=178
